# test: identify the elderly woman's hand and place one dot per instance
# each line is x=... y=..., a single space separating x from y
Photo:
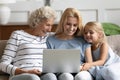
x=33 y=71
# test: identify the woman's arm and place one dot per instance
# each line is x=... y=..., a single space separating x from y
x=9 y=54
x=88 y=59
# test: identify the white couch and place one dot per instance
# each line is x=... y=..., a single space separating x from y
x=114 y=42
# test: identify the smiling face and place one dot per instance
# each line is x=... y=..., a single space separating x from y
x=70 y=26
x=45 y=26
x=94 y=33
x=90 y=35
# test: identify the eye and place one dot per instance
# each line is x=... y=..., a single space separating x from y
x=91 y=32
x=68 y=24
x=75 y=25
x=85 y=32
x=48 y=24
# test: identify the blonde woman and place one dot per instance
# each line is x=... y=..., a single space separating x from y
x=102 y=55
x=22 y=58
x=68 y=36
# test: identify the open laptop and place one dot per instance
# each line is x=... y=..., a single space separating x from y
x=61 y=60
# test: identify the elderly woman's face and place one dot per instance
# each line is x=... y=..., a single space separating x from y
x=46 y=26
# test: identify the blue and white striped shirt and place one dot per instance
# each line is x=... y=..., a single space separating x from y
x=23 y=51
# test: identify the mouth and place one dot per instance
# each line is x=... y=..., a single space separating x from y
x=88 y=39
x=43 y=32
x=69 y=31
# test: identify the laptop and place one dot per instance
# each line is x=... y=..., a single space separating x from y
x=61 y=60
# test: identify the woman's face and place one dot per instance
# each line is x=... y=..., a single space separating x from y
x=70 y=26
x=45 y=26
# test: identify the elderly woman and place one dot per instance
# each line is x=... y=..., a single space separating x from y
x=22 y=57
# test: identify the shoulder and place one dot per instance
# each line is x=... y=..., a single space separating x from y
x=104 y=45
x=51 y=37
x=21 y=34
x=81 y=39
x=83 y=42
x=16 y=33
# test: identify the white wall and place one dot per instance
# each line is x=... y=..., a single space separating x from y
x=91 y=10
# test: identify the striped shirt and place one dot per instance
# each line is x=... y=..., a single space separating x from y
x=23 y=51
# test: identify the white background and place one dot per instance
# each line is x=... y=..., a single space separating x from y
x=91 y=10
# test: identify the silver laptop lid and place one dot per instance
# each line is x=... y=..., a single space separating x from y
x=61 y=60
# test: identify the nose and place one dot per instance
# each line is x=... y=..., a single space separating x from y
x=71 y=27
x=49 y=28
x=87 y=34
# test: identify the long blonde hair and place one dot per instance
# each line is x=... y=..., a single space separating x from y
x=70 y=12
x=97 y=26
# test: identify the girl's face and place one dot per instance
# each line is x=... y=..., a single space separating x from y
x=70 y=26
x=91 y=35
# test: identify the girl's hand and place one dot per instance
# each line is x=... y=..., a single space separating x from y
x=86 y=66
x=81 y=67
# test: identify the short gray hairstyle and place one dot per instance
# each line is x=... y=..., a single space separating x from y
x=37 y=16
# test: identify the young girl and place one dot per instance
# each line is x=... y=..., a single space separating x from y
x=102 y=55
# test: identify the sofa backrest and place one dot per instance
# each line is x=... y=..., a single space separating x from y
x=2 y=46
x=113 y=41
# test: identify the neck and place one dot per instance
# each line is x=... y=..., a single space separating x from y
x=64 y=37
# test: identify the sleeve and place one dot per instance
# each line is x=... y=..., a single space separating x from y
x=85 y=45
x=9 y=54
x=49 y=42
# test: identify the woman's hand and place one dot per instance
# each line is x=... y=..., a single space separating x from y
x=33 y=71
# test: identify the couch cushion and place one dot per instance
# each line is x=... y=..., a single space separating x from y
x=4 y=77
x=2 y=46
x=111 y=29
x=112 y=72
x=114 y=42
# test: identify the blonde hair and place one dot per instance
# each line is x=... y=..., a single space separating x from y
x=70 y=12
x=98 y=28
x=39 y=15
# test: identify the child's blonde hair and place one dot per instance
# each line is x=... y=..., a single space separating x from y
x=97 y=26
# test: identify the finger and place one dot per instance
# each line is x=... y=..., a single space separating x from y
x=82 y=69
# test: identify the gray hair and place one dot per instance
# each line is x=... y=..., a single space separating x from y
x=41 y=14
